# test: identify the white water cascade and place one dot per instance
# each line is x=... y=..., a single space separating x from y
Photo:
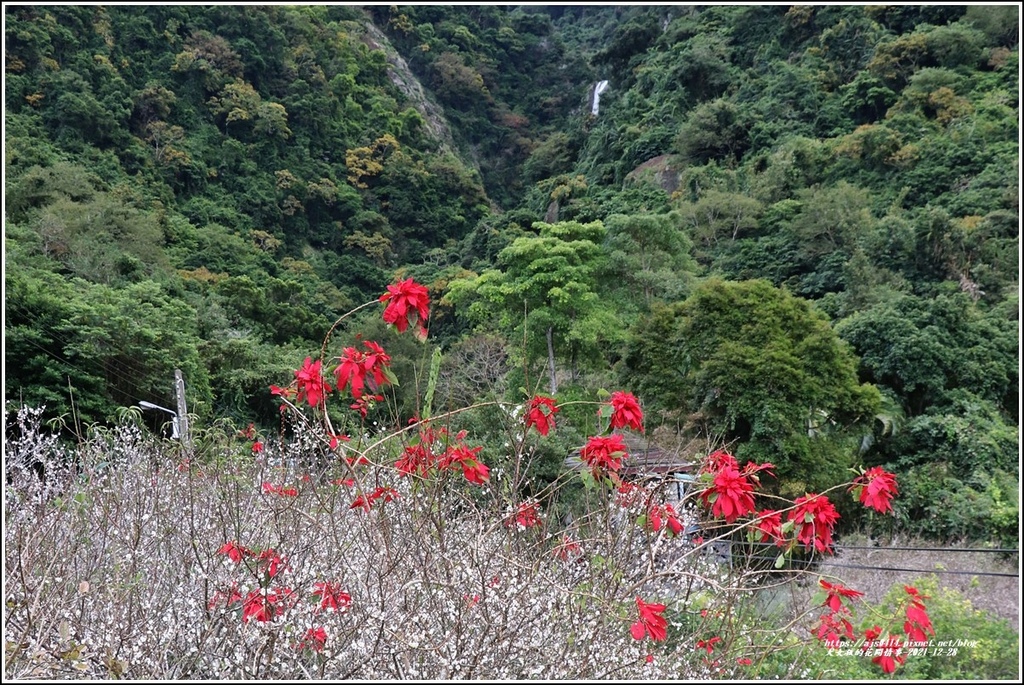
x=599 y=88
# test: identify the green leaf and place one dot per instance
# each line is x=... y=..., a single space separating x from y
x=780 y=560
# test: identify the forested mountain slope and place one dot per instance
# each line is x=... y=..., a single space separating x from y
x=209 y=188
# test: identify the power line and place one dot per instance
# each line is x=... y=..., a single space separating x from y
x=922 y=570
x=840 y=548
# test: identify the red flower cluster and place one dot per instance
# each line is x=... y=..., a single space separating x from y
x=540 y=412
x=332 y=597
x=315 y=639
x=271 y=489
x=424 y=455
x=708 y=644
x=566 y=548
x=408 y=302
x=626 y=411
x=671 y=519
x=730 y=495
x=264 y=604
x=917 y=626
x=525 y=516
x=815 y=518
x=875 y=488
x=311 y=384
x=769 y=524
x=835 y=595
x=234 y=551
x=651 y=622
x=365 y=502
x=358 y=369
x=891 y=647
x=604 y=453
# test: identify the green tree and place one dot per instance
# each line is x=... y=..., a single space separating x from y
x=751 y=364
x=546 y=291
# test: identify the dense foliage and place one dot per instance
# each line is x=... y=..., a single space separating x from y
x=208 y=187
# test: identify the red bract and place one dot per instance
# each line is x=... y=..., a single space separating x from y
x=331 y=597
x=365 y=502
x=257 y=447
x=708 y=644
x=335 y=439
x=832 y=626
x=525 y=516
x=230 y=597
x=770 y=526
x=312 y=386
x=416 y=459
x=271 y=489
x=720 y=459
x=815 y=517
x=234 y=551
x=408 y=302
x=567 y=547
x=603 y=454
x=651 y=622
x=360 y=369
x=671 y=519
x=626 y=411
x=270 y=562
x=314 y=639
x=468 y=457
x=537 y=416
x=892 y=655
x=836 y=593
x=875 y=489
x=264 y=605
x=730 y=494
x=918 y=625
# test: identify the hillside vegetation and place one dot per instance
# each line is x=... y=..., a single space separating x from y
x=792 y=230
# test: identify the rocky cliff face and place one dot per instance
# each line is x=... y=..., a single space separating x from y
x=406 y=81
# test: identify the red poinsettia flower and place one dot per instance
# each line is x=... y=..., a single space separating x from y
x=708 y=644
x=815 y=517
x=365 y=502
x=870 y=635
x=651 y=622
x=626 y=411
x=271 y=562
x=664 y=515
x=875 y=489
x=257 y=447
x=331 y=597
x=271 y=489
x=718 y=460
x=566 y=548
x=472 y=468
x=358 y=369
x=730 y=495
x=604 y=453
x=832 y=626
x=836 y=593
x=415 y=460
x=408 y=302
x=312 y=386
x=229 y=597
x=540 y=412
x=315 y=639
x=234 y=551
x=769 y=524
x=525 y=516
x=892 y=654
x=918 y=625
x=264 y=604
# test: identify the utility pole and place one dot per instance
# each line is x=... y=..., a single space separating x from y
x=179 y=390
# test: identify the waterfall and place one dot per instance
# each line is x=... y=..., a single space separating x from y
x=599 y=88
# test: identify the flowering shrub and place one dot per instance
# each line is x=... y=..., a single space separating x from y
x=404 y=556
